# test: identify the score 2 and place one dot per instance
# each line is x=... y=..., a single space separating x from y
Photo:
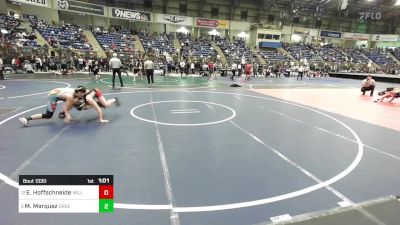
x=106 y=198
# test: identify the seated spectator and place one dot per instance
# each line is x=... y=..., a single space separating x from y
x=28 y=67
x=13 y=34
x=66 y=36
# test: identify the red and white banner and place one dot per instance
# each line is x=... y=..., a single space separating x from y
x=222 y=24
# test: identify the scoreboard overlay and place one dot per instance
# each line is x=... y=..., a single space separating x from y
x=66 y=194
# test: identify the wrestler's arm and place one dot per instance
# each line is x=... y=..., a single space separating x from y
x=93 y=103
x=69 y=104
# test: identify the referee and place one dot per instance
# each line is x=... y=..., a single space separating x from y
x=149 y=68
x=115 y=64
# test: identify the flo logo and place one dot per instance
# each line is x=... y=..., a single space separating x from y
x=370 y=15
x=63 y=4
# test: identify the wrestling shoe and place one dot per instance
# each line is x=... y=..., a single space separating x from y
x=24 y=121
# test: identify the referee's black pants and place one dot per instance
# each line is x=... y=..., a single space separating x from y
x=117 y=71
x=370 y=88
x=233 y=74
x=150 y=75
x=300 y=75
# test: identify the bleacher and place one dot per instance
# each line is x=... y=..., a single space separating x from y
x=396 y=53
x=157 y=42
x=199 y=47
x=121 y=41
x=302 y=51
x=379 y=56
x=273 y=56
x=331 y=54
x=355 y=55
x=235 y=50
x=13 y=34
x=64 y=36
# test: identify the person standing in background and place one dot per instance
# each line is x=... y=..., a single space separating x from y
x=64 y=63
x=255 y=69
x=239 y=69
x=234 y=67
x=248 y=69
x=187 y=69
x=115 y=64
x=80 y=63
x=182 y=67
x=300 y=72
x=149 y=68
x=1 y=68
x=90 y=65
x=192 y=67
x=39 y=65
x=210 y=69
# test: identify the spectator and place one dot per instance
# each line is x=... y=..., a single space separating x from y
x=81 y=62
x=182 y=67
x=234 y=69
x=39 y=64
x=1 y=68
x=248 y=69
x=28 y=67
x=300 y=72
x=210 y=68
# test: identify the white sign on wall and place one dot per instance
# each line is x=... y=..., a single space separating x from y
x=41 y=3
x=356 y=36
x=313 y=32
x=384 y=37
x=173 y=19
x=240 y=26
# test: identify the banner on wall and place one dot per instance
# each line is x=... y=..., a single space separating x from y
x=80 y=7
x=173 y=19
x=130 y=14
x=330 y=34
x=41 y=3
x=239 y=25
x=356 y=36
x=301 y=31
x=305 y=31
x=384 y=37
x=221 y=24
